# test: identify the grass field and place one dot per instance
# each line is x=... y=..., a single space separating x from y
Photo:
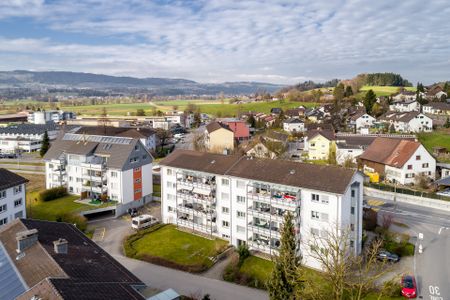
x=51 y=210
x=215 y=108
x=178 y=247
x=382 y=90
x=439 y=138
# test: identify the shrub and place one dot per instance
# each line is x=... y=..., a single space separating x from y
x=74 y=218
x=392 y=288
x=243 y=252
x=52 y=194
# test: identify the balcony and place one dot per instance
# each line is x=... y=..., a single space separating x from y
x=194 y=195
x=285 y=201
x=264 y=228
x=94 y=163
x=207 y=186
x=266 y=214
x=188 y=223
x=191 y=208
x=92 y=177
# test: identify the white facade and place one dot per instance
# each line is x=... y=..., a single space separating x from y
x=419 y=123
x=347 y=153
x=241 y=210
x=405 y=106
x=12 y=204
x=421 y=162
x=10 y=145
x=44 y=116
x=364 y=121
x=293 y=126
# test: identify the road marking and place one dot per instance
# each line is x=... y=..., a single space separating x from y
x=99 y=234
x=435 y=293
x=440 y=229
x=373 y=202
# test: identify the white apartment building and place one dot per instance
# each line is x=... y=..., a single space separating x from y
x=44 y=116
x=405 y=105
x=408 y=121
x=243 y=200
x=117 y=168
x=12 y=196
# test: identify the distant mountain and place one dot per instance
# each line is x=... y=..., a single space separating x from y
x=12 y=82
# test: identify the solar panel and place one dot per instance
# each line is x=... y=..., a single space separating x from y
x=11 y=284
x=97 y=139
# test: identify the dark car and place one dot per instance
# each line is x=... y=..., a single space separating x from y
x=387 y=256
x=409 y=287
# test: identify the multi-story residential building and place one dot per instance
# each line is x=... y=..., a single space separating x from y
x=405 y=105
x=219 y=137
x=44 y=116
x=407 y=121
x=12 y=196
x=117 y=168
x=243 y=199
x=398 y=160
x=437 y=108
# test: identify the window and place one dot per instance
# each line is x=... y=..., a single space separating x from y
x=70 y=178
x=114 y=197
x=324 y=217
x=169 y=172
x=417 y=157
x=225 y=210
x=240 y=228
x=3 y=221
x=425 y=165
x=3 y=208
x=134 y=159
x=409 y=167
x=352 y=227
x=225 y=236
x=138 y=169
x=325 y=199
x=17 y=202
x=114 y=174
x=353 y=193
x=137 y=191
x=313 y=145
x=17 y=189
x=113 y=185
x=315 y=198
x=225 y=224
x=138 y=180
x=315 y=215
x=170 y=184
x=352 y=210
x=18 y=214
x=409 y=175
x=225 y=196
x=352 y=244
x=3 y=194
x=170 y=208
x=240 y=214
x=240 y=199
x=171 y=197
x=240 y=184
x=225 y=182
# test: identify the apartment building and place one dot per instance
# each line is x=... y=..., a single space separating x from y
x=407 y=121
x=117 y=168
x=243 y=200
x=44 y=116
x=12 y=196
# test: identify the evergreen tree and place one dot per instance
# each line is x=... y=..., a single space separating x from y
x=338 y=93
x=369 y=100
x=348 y=91
x=252 y=121
x=140 y=112
x=420 y=88
x=45 y=144
x=285 y=280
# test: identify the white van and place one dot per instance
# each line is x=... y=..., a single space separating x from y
x=143 y=221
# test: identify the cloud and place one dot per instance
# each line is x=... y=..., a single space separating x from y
x=212 y=40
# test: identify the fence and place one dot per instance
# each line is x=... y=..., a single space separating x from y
x=400 y=190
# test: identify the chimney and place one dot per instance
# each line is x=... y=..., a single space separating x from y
x=26 y=239
x=61 y=246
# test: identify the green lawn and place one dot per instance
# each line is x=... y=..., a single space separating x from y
x=53 y=209
x=175 y=248
x=156 y=190
x=382 y=90
x=111 y=109
x=436 y=138
x=23 y=163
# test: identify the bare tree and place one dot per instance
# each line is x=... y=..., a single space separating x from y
x=198 y=141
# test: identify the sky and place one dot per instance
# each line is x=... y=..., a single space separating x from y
x=278 y=41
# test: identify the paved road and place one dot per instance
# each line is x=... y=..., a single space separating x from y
x=164 y=278
x=432 y=267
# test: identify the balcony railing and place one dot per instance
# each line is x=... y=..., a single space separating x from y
x=191 y=209
x=265 y=214
x=264 y=229
x=92 y=177
x=268 y=199
x=199 y=227
x=197 y=184
x=196 y=197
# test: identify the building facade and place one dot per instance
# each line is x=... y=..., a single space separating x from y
x=12 y=196
x=97 y=167
x=243 y=200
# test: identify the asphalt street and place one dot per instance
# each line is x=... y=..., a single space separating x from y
x=432 y=266
x=163 y=278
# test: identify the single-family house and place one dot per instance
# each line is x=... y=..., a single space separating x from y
x=398 y=160
x=405 y=105
x=294 y=125
x=261 y=148
x=318 y=143
x=404 y=96
x=361 y=120
x=240 y=129
x=437 y=108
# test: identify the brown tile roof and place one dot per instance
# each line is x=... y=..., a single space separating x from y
x=325 y=178
x=399 y=116
x=213 y=126
x=390 y=151
x=328 y=134
x=9 y=179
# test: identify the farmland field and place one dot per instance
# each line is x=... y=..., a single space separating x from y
x=383 y=90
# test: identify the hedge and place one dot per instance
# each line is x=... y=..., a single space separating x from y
x=74 y=218
x=52 y=194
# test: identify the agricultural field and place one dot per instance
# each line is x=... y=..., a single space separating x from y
x=383 y=90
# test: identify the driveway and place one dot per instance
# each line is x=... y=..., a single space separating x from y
x=163 y=278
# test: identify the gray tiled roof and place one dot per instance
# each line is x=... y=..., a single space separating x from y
x=27 y=128
x=9 y=179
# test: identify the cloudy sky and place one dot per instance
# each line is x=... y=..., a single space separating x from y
x=278 y=41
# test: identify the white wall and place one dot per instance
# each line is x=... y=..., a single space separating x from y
x=12 y=212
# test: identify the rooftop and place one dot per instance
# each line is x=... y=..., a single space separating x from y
x=116 y=131
x=325 y=178
x=213 y=126
x=9 y=179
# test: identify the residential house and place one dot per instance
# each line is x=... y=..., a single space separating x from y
x=240 y=129
x=293 y=125
x=405 y=105
x=12 y=196
x=101 y=167
x=277 y=136
x=314 y=115
x=350 y=146
x=437 y=108
x=404 y=96
x=276 y=111
x=219 y=137
x=260 y=148
x=45 y=116
x=55 y=260
x=243 y=200
x=295 y=112
x=318 y=143
x=398 y=160
x=146 y=135
x=435 y=93
x=407 y=121
x=361 y=120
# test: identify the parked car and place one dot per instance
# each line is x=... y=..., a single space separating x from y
x=409 y=287
x=143 y=221
x=387 y=256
